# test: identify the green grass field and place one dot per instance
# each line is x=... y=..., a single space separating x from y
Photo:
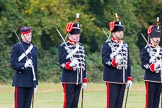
x=50 y=95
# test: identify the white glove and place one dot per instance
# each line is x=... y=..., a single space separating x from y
x=84 y=85
x=28 y=63
x=158 y=66
x=74 y=63
x=35 y=89
x=129 y=84
x=118 y=58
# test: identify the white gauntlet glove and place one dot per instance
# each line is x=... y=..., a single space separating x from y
x=84 y=85
x=28 y=63
x=118 y=59
x=35 y=89
x=129 y=84
x=74 y=63
x=158 y=66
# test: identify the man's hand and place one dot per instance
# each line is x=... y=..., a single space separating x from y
x=28 y=63
x=158 y=66
x=129 y=84
x=74 y=63
x=84 y=85
x=118 y=59
x=35 y=89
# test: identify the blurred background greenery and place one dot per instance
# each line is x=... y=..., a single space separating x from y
x=44 y=16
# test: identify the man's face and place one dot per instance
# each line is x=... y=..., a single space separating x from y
x=75 y=37
x=27 y=37
x=155 y=40
x=118 y=34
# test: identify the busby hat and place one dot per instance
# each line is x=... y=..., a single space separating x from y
x=73 y=28
x=25 y=30
x=154 y=31
x=116 y=25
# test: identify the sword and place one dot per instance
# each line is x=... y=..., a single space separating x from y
x=21 y=44
x=144 y=38
x=82 y=98
x=106 y=33
x=71 y=57
x=126 y=98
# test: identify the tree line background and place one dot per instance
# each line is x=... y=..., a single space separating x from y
x=44 y=16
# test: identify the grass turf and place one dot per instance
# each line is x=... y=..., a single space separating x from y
x=50 y=95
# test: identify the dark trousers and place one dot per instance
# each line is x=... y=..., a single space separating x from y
x=152 y=94
x=115 y=95
x=23 y=96
x=71 y=95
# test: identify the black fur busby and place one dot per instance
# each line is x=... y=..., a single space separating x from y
x=118 y=26
x=75 y=29
x=154 y=31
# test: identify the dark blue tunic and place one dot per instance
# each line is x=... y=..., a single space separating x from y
x=146 y=54
x=121 y=73
x=23 y=76
x=65 y=55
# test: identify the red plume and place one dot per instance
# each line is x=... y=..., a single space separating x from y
x=69 y=27
x=111 y=25
x=149 y=31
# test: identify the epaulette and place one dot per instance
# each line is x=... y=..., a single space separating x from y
x=79 y=43
x=147 y=46
x=108 y=40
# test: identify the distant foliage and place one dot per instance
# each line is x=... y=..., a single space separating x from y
x=44 y=16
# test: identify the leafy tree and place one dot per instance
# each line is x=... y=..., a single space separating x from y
x=45 y=16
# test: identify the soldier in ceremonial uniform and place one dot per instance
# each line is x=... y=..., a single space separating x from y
x=117 y=68
x=151 y=61
x=24 y=62
x=72 y=62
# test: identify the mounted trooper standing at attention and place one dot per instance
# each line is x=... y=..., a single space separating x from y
x=151 y=61
x=73 y=64
x=117 y=68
